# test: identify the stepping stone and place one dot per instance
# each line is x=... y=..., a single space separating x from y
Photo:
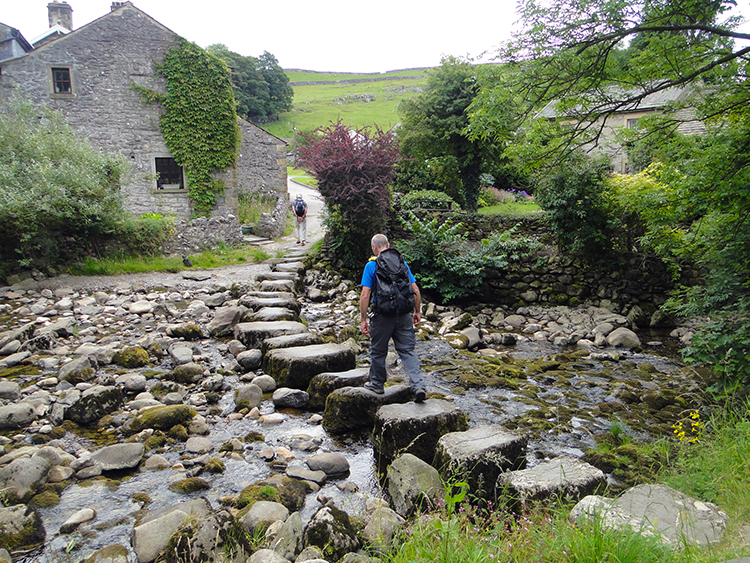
x=565 y=477
x=268 y=314
x=415 y=428
x=479 y=455
x=296 y=267
x=253 y=334
x=297 y=472
x=324 y=384
x=277 y=276
x=256 y=303
x=277 y=285
x=196 y=275
x=350 y=408
x=289 y=341
x=270 y=294
x=295 y=367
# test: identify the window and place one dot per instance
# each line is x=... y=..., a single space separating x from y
x=61 y=83
x=169 y=174
x=631 y=123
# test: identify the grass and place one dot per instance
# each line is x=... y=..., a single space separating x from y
x=252 y=204
x=511 y=208
x=138 y=264
x=361 y=104
x=714 y=468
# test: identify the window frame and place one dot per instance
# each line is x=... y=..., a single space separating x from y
x=160 y=186
x=53 y=69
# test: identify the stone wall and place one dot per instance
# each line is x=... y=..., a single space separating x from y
x=106 y=58
x=203 y=234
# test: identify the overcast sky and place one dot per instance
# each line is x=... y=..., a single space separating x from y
x=323 y=35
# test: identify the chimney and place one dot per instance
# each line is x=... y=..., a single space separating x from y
x=116 y=5
x=60 y=13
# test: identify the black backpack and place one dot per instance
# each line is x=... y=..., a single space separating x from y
x=393 y=287
x=299 y=207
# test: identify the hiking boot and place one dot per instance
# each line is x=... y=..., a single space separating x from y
x=419 y=397
x=374 y=388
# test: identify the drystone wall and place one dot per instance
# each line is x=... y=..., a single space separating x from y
x=203 y=234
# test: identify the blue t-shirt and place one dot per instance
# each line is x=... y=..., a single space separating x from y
x=368 y=276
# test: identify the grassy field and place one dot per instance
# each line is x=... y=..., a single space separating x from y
x=360 y=104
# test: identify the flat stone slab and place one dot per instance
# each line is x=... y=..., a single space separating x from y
x=324 y=384
x=277 y=285
x=253 y=334
x=565 y=476
x=295 y=367
x=277 y=276
x=657 y=510
x=350 y=408
x=257 y=303
x=269 y=294
x=270 y=314
x=289 y=341
x=479 y=455
x=415 y=428
x=295 y=267
x=196 y=275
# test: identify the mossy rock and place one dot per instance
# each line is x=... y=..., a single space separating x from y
x=190 y=485
x=292 y=492
x=114 y=552
x=215 y=465
x=163 y=418
x=163 y=388
x=254 y=436
x=21 y=528
x=155 y=441
x=188 y=331
x=255 y=492
x=45 y=499
x=141 y=498
x=131 y=357
x=188 y=373
x=178 y=432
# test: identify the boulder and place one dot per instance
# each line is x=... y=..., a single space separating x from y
x=263 y=513
x=79 y=370
x=413 y=484
x=21 y=528
x=331 y=531
x=131 y=357
x=479 y=455
x=333 y=465
x=253 y=334
x=188 y=373
x=150 y=538
x=163 y=418
x=16 y=415
x=250 y=360
x=623 y=338
x=94 y=403
x=119 y=456
x=284 y=397
x=295 y=367
x=248 y=396
x=325 y=383
x=224 y=321
x=22 y=478
x=382 y=526
x=255 y=303
x=564 y=477
x=9 y=390
x=657 y=510
x=288 y=541
x=271 y=314
x=290 y=341
x=415 y=428
x=350 y=408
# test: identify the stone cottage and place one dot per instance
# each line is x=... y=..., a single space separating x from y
x=88 y=74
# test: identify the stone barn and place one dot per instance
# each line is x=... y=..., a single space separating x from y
x=89 y=75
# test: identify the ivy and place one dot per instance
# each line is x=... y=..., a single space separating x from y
x=200 y=119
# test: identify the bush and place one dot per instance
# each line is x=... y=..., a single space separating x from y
x=144 y=235
x=53 y=185
x=510 y=248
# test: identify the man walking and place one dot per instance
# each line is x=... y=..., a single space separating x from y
x=389 y=321
x=299 y=208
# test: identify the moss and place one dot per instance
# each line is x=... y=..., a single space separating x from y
x=141 y=498
x=57 y=433
x=131 y=357
x=190 y=485
x=253 y=493
x=30 y=535
x=163 y=418
x=215 y=465
x=179 y=433
x=254 y=436
x=155 y=441
x=45 y=499
x=19 y=370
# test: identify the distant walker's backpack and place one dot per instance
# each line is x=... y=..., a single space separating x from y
x=393 y=290
x=299 y=207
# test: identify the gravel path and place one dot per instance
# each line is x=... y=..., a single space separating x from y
x=243 y=273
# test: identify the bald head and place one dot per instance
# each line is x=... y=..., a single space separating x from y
x=379 y=242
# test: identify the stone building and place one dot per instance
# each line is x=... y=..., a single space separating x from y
x=88 y=74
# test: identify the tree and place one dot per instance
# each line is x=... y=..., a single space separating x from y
x=434 y=124
x=52 y=185
x=575 y=53
x=260 y=85
x=353 y=168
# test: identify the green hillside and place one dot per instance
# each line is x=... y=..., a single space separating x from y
x=322 y=97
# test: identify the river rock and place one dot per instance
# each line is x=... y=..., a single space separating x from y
x=198 y=445
x=188 y=373
x=290 y=341
x=78 y=370
x=271 y=314
x=163 y=418
x=295 y=367
x=181 y=354
x=10 y=348
x=119 y=456
x=331 y=530
x=188 y=330
x=21 y=527
x=94 y=403
x=479 y=455
x=150 y=538
x=9 y=390
x=657 y=510
x=267 y=556
x=263 y=513
x=253 y=334
x=325 y=383
x=382 y=526
x=415 y=428
x=412 y=483
x=16 y=415
x=350 y=408
x=303 y=474
x=114 y=553
x=293 y=398
x=288 y=541
x=248 y=396
x=564 y=477
x=224 y=321
x=250 y=360
x=623 y=338
x=141 y=307
x=333 y=465
x=23 y=477
x=265 y=382
x=75 y=520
